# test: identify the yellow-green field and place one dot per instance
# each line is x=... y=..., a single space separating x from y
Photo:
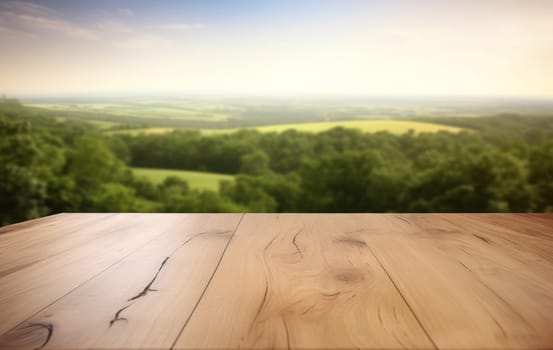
x=369 y=126
x=196 y=179
x=392 y=126
x=134 y=132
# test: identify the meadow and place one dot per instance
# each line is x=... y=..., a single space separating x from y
x=224 y=115
x=391 y=126
x=200 y=180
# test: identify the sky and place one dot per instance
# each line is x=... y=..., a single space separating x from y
x=283 y=47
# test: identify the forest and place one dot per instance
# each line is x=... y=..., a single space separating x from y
x=501 y=163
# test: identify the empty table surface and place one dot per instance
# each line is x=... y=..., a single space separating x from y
x=277 y=281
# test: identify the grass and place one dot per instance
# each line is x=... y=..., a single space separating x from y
x=213 y=116
x=134 y=132
x=158 y=116
x=102 y=124
x=392 y=126
x=196 y=179
x=368 y=126
x=162 y=110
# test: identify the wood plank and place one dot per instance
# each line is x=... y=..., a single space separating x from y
x=33 y=288
x=26 y=246
x=301 y=282
x=523 y=238
x=141 y=302
x=31 y=223
x=544 y=218
x=386 y=281
x=467 y=290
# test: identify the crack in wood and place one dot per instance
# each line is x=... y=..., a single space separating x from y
x=116 y=317
x=149 y=285
x=147 y=288
x=294 y=241
x=203 y=233
x=48 y=326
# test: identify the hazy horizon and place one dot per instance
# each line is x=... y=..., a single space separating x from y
x=372 y=98
x=490 y=48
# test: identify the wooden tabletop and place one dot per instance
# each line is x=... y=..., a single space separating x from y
x=277 y=281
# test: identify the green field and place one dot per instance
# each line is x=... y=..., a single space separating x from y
x=143 y=113
x=196 y=179
x=369 y=126
x=223 y=115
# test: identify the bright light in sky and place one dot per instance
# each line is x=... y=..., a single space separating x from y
x=480 y=47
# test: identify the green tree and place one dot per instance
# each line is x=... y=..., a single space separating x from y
x=541 y=175
x=486 y=181
x=245 y=191
x=114 y=197
x=91 y=164
x=255 y=163
x=23 y=173
x=346 y=182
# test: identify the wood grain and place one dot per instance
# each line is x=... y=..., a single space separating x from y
x=31 y=223
x=37 y=286
x=278 y=281
x=27 y=245
x=302 y=282
x=528 y=238
x=140 y=302
x=466 y=287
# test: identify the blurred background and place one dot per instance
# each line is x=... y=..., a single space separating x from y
x=275 y=106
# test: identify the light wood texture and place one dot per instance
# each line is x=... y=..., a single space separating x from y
x=31 y=223
x=468 y=282
x=166 y=275
x=286 y=281
x=301 y=281
x=26 y=245
x=37 y=286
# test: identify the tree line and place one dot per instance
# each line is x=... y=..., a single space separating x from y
x=502 y=163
